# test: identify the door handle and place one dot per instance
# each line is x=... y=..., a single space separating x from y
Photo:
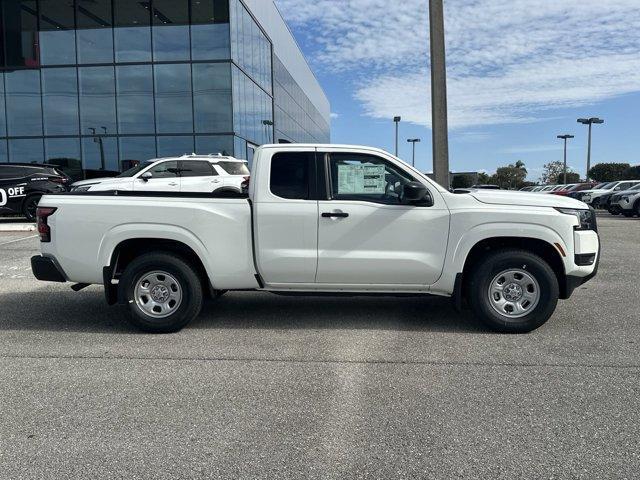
x=173 y=184
x=335 y=215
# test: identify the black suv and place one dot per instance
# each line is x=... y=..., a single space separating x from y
x=22 y=185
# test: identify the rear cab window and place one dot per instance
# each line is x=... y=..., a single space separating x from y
x=291 y=175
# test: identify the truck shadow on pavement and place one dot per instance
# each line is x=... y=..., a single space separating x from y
x=87 y=311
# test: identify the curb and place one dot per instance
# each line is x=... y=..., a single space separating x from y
x=17 y=227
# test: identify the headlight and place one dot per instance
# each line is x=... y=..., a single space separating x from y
x=586 y=218
x=80 y=189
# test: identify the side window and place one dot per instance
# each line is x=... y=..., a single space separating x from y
x=196 y=169
x=366 y=178
x=165 y=170
x=290 y=175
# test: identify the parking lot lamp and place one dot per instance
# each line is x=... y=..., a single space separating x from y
x=565 y=138
x=396 y=120
x=590 y=122
x=413 y=157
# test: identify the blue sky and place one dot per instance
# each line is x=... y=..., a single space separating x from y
x=520 y=73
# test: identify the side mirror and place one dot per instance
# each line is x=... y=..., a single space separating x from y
x=146 y=176
x=416 y=193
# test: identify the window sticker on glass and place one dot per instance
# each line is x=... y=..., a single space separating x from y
x=361 y=179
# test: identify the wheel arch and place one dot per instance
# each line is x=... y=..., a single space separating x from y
x=542 y=248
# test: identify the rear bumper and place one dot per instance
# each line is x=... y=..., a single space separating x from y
x=46 y=269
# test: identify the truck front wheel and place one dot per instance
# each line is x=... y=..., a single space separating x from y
x=513 y=291
x=163 y=292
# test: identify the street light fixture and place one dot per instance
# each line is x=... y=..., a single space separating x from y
x=396 y=120
x=565 y=138
x=589 y=121
x=413 y=141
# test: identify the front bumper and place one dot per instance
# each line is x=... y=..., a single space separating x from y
x=573 y=281
x=46 y=269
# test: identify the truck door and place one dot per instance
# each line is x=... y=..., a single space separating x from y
x=286 y=218
x=367 y=235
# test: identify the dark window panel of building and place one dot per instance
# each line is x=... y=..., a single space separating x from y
x=97 y=100
x=23 y=103
x=132 y=31
x=26 y=150
x=64 y=153
x=214 y=144
x=94 y=34
x=170 y=30
x=57 y=32
x=137 y=149
x=3 y=151
x=60 y=101
x=174 y=113
x=135 y=99
x=210 y=30
x=100 y=153
x=20 y=19
x=175 y=146
x=212 y=97
x=3 y=123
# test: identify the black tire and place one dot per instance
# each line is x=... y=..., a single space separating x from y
x=29 y=207
x=637 y=208
x=628 y=213
x=490 y=267
x=188 y=284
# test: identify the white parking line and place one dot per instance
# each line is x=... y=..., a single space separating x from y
x=17 y=240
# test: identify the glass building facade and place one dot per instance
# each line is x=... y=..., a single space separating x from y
x=93 y=85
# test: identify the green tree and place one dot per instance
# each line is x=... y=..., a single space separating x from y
x=572 y=177
x=510 y=177
x=609 y=172
x=483 y=178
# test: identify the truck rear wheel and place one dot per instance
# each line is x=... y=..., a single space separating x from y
x=513 y=291
x=163 y=292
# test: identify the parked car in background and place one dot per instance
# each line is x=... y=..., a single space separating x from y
x=188 y=173
x=630 y=204
x=613 y=205
x=486 y=187
x=563 y=188
x=594 y=197
x=574 y=188
x=22 y=185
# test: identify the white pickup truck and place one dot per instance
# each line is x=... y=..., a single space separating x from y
x=322 y=219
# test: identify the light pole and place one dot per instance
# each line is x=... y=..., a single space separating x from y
x=413 y=158
x=565 y=138
x=439 y=127
x=396 y=120
x=589 y=121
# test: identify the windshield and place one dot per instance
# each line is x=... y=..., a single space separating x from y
x=609 y=186
x=234 y=168
x=132 y=171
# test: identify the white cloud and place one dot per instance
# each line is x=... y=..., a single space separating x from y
x=334 y=115
x=509 y=61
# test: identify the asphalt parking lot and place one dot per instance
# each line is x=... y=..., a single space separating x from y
x=263 y=386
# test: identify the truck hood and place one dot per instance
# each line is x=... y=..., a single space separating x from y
x=95 y=181
x=504 y=197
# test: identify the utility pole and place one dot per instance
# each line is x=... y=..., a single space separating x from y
x=413 y=158
x=565 y=138
x=590 y=122
x=396 y=120
x=439 y=94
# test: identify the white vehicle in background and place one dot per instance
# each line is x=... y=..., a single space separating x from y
x=629 y=203
x=592 y=197
x=188 y=173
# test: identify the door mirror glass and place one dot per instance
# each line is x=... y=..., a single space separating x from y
x=146 y=176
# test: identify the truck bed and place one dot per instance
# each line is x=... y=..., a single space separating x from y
x=86 y=229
